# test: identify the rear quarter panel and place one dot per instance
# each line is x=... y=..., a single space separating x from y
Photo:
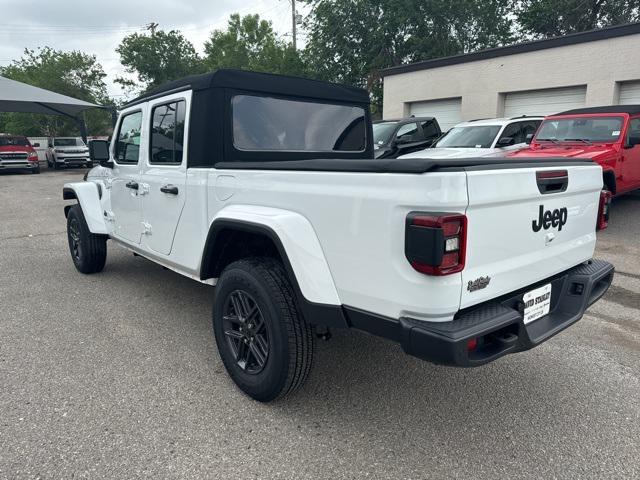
x=359 y=220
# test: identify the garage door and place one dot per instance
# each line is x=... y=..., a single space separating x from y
x=447 y=112
x=629 y=93
x=544 y=102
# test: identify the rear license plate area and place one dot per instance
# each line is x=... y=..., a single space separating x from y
x=537 y=303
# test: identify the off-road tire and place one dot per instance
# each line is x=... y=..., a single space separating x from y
x=290 y=337
x=88 y=250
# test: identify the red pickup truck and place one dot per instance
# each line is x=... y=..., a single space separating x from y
x=17 y=153
x=607 y=135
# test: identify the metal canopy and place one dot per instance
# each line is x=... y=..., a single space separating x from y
x=20 y=97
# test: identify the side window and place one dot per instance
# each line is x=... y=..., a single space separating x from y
x=530 y=128
x=429 y=129
x=514 y=131
x=167 y=133
x=128 y=141
x=633 y=132
x=408 y=132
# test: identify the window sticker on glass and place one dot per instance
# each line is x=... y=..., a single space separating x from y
x=615 y=133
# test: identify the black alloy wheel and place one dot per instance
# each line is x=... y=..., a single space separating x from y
x=246 y=332
x=74 y=239
x=88 y=250
x=264 y=342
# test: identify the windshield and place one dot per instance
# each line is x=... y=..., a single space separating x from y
x=68 y=142
x=581 y=129
x=382 y=132
x=20 y=141
x=478 y=136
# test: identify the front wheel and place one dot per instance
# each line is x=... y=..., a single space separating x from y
x=264 y=341
x=88 y=250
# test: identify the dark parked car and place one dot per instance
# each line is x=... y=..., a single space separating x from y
x=392 y=138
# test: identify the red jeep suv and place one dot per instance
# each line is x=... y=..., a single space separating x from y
x=16 y=153
x=607 y=135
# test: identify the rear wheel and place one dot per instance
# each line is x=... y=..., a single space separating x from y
x=264 y=342
x=88 y=250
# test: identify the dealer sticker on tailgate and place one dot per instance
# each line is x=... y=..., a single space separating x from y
x=537 y=303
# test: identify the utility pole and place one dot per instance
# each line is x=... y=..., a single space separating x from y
x=152 y=27
x=294 y=19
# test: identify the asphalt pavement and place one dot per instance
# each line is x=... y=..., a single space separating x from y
x=116 y=375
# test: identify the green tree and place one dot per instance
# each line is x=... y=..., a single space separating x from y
x=250 y=43
x=350 y=41
x=550 y=18
x=75 y=74
x=156 y=58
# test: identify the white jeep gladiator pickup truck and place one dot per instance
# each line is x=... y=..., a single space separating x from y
x=266 y=187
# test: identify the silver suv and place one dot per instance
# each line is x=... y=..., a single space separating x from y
x=68 y=152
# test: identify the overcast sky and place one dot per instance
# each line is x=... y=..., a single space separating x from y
x=97 y=27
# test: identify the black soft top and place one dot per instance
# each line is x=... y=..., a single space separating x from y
x=630 y=109
x=261 y=82
x=211 y=128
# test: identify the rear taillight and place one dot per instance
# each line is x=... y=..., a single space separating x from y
x=435 y=243
x=603 y=210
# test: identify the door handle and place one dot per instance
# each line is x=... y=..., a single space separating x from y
x=132 y=185
x=170 y=189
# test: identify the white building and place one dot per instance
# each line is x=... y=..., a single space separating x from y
x=599 y=67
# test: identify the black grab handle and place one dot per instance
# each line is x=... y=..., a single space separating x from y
x=171 y=189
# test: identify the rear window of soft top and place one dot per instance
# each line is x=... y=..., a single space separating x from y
x=262 y=123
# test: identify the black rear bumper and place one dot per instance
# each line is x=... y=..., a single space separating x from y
x=496 y=327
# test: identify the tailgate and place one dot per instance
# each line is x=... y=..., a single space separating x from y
x=507 y=244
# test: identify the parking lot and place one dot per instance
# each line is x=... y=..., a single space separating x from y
x=116 y=375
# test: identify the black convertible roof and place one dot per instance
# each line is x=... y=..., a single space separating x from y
x=630 y=109
x=260 y=82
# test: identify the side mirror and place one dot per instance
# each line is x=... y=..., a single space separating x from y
x=528 y=138
x=505 y=142
x=99 y=153
x=35 y=145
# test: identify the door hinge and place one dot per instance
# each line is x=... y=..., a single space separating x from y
x=146 y=228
